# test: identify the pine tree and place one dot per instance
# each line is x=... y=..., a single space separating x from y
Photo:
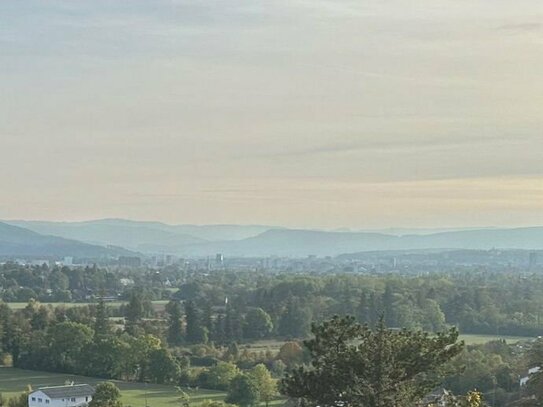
x=375 y=309
x=175 y=329
x=233 y=324
x=101 y=323
x=134 y=311
x=295 y=321
x=196 y=333
x=363 y=310
x=353 y=365
x=388 y=307
x=218 y=333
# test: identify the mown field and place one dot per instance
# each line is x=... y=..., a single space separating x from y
x=479 y=339
x=469 y=339
x=14 y=381
x=158 y=305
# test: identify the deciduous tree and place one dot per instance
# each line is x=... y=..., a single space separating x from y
x=243 y=391
x=106 y=395
x=267 y=385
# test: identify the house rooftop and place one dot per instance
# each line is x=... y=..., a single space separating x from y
x=75 y=390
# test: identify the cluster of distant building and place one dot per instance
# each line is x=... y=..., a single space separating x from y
x=365 y=262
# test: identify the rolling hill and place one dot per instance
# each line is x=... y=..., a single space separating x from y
x=240 y=240
x=19 y=242
x=303 y=242
x=147 y=237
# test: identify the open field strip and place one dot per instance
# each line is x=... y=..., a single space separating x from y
x=473 y=339
x=14 y=381
x=158 y=304
x=469 y=339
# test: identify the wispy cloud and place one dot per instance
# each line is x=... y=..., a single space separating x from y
x=307 y=109
x=530 y=26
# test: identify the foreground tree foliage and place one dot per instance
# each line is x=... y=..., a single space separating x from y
x=534 y=390
x=353 y=365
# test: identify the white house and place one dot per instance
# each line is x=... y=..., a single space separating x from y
x=75 y=395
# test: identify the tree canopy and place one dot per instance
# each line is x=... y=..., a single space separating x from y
x=106 y=395
x=353 y=365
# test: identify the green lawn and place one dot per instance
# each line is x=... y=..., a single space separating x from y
x=14 y=381
x=21 y=305
x=470 y=339
x=479 y=339
x=263 y=345
x=159 y=305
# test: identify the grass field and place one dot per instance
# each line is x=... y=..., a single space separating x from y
x=469 y=339
x=14 y=381
x=158 y=305
x=479 y=339
x=263 y=345
x=21 y=305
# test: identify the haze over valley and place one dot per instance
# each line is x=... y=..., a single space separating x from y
x=287 y=203
x=151 y=238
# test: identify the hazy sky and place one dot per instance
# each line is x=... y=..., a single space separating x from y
x=309 y=113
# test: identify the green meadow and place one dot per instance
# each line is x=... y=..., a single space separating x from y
x=14 y=381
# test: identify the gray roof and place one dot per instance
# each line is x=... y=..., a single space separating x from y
x=76 y=390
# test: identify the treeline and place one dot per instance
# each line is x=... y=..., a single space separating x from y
x=189 y=346
x=21 y=283
x=84 y=341
x=477 y=301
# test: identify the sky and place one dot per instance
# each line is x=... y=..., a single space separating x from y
x=301 y=113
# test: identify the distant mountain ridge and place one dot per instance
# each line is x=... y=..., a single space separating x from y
x=144 y=236
x=261 y=240
x=19 y=242
x=302 y=242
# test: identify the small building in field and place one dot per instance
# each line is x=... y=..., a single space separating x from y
x=75 y=395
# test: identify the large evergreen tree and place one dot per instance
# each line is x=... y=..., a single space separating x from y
x=388 y=307
x=353 y=365
x=175 y=329
x=134 y=311
x=295 y=320
x=233 y=324
x=195 y=332
x=101 y=323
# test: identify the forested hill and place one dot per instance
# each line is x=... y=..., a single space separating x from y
x=16 y=241
x=147 y=237
x=286 y=242
x=261 y=240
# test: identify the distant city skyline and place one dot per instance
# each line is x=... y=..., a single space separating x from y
x=303 y=114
